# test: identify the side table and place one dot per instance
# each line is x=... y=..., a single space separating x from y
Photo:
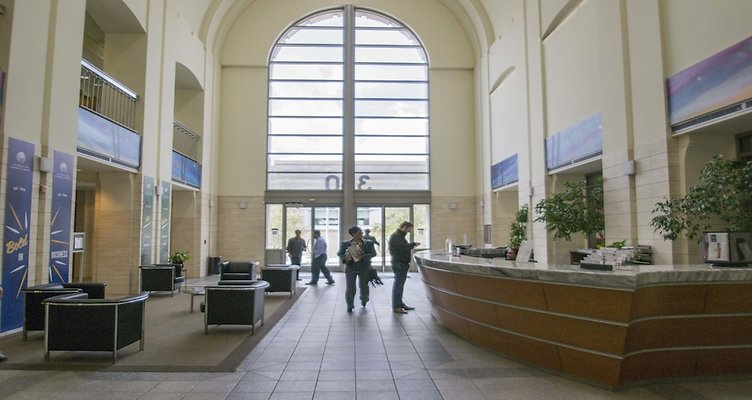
x=194 y=291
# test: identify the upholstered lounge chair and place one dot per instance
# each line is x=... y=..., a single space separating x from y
x=76 y=323
x=161 y=278
x=234 y=305
x=281 y=278
x=34 y=295
x=238 y=270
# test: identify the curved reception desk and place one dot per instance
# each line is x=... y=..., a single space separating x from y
x=636 y=323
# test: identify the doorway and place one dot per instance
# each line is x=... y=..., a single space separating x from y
x=282 y=220
x=383 y=220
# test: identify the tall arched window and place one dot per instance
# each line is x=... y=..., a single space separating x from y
x=348 y=105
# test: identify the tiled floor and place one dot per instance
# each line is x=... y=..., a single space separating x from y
x=319 y=351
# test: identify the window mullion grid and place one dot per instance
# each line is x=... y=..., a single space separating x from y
x=349 y=213
x=349 y=117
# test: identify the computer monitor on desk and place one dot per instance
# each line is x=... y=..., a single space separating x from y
x=733 y=249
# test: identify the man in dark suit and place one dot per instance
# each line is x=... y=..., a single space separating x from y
x=401 y=251
x=356 y=255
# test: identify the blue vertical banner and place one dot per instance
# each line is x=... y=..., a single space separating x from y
x=60 y=223
x=16 y=237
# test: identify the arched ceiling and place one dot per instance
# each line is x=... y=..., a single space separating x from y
x=221 y=14
x=114 y=16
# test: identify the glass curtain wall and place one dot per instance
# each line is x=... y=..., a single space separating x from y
x=384 y=220
x=348 y=116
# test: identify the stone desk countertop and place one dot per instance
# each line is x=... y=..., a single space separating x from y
x=625 y=277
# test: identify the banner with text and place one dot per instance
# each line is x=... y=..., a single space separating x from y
x=16 y=237
x=60 y=225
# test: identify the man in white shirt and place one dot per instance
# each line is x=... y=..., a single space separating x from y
x=318 y=263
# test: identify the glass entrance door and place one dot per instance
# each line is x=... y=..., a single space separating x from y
x=384 y=220
x=282 y=220
x=299 y=218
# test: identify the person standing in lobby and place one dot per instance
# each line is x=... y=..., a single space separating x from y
x=368 y=236
x=401 y=250
x=295 y=247
x=356 y=254
x=318 y=261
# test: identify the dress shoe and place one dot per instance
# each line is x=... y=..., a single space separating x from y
x=363 y=303
x=408 y=308
x=349 y=309
x=399 y=310
x=330 y=282
x=311 y=283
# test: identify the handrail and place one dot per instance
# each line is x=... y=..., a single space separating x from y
x=106 y=96
x=109 y=79
x=185 y=141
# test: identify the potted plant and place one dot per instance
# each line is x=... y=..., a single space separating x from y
x=517 y=231
x=577 y=209
x=179 y=257
x=723 y=193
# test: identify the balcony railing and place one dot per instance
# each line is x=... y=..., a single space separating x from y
x=106 y=96
x=106 y=119
x=185 y=148
x=185 y=141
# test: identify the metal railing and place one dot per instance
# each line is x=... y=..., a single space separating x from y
x=185 y=141
x=106 y=96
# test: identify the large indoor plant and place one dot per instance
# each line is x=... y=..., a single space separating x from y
x=179 y=257
x=517 y=231
x=577 y=209
x=723 y=195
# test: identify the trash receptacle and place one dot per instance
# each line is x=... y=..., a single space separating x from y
x=214 y=265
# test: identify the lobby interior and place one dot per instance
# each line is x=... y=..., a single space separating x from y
x=163 y=126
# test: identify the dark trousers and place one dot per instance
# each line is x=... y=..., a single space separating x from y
x=398 y=287
x=360 y=271
x=295 y=260
x=319 y=264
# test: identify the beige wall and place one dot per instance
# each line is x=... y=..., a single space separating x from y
x=608 y=56
x=603 y=56
x=117 y=239
x=189 y=109
x=244 y=93
x=242 y=141
x=571 y=77
x=243 y=110
x=693 y=30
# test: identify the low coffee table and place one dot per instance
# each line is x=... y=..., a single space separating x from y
x=194 y=291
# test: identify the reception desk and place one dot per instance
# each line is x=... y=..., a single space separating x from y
x=637 y=323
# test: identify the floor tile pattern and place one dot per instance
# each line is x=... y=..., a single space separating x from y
x=319 y=351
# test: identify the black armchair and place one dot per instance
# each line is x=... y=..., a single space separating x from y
x=238 y=270
x=161 y=278
x=76 y=323
x=281 y=277
x=234 y=305
x=34 y=295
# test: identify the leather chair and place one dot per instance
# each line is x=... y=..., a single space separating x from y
x=234 y=305
x=34 y=295
x=238 y=270
x=281 y=277
x=77 y=323
x=161 y=278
